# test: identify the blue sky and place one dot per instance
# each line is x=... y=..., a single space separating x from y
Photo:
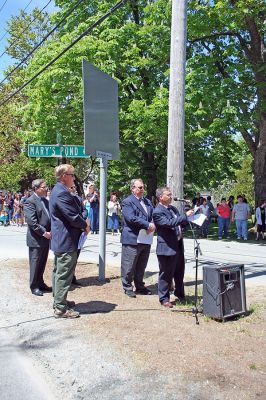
x=12 y=8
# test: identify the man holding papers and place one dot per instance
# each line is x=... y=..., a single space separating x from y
x=136 y=239
x=170 y=247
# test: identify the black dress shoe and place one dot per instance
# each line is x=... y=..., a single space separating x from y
x=37 y=292
x=130 y=293
x=46 y=288
x=144 y=291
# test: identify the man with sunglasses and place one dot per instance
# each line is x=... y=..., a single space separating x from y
x=67 y=223
x=136 y=239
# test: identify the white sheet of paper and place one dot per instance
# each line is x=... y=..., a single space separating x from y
x=197 y=219
x=82 y=240
x=144 y=237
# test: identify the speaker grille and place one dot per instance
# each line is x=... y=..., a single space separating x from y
x=224 y=291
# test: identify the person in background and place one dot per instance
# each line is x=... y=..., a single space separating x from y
x=241 y=214
x=92 y=205
x=25 y=196
x=204 y=209
x=211 y=208
x=196 y=199
x=18 y=207
x=2 y=199
x=261 y=219
x=231 y=202
x=114 y=208
x=9 y=208
x=224 y=214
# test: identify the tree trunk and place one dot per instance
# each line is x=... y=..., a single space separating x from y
x=259 y=164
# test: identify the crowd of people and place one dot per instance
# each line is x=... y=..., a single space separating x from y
x=60 y=220
x=225 y=213
x=228 y=212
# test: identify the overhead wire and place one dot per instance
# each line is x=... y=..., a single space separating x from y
x=42 y=41
x=24 y=30
x=85 y=33
x=24 y=9
x=3 y=5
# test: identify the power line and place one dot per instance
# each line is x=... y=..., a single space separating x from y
x=24 y=9
x=3 y=5
x=31 y=22
x=42 y=41
x=85 y=33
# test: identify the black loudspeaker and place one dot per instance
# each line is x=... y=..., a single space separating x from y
x=224 y=293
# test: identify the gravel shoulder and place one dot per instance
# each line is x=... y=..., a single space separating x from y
x=125 y=348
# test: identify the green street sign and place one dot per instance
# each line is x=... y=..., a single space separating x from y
x=45 y=150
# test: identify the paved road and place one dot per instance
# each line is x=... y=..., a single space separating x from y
x=252 y=255
x=19 y=378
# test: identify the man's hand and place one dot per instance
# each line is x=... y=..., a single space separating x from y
x=189 y=213
x=151 y=228
x=47 y=235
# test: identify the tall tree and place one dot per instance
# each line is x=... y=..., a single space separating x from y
x=227 y=44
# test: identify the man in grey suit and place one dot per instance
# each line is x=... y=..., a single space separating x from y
x=36 y=209
x=67 y=225
x=137 y=212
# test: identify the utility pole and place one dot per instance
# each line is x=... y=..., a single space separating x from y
x=176 y=119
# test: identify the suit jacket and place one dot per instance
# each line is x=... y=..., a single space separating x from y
x=166 y=223
x=38 y=221
x=135 y=218
x=83 y=209
x=67 y=222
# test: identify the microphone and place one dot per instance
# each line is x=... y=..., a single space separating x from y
x=182 y=200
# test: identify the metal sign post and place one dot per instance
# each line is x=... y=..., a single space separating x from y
x=101 y=135
x=102 y=233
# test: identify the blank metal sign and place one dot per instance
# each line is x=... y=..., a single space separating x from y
x=100 y=102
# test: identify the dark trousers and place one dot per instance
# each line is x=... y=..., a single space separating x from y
x=171 y=267
x=38 y=258
x=134 y=260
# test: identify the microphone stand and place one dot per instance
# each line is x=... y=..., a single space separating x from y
x=197 y=251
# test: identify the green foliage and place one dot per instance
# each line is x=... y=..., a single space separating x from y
x=223 y=87
x=244 y=181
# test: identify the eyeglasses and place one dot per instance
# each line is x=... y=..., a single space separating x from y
x=73 y=187
x=139 y=187
x=43 y=187
x=70 y=175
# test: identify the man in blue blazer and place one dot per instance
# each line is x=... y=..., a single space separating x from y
x=67 y=225
x=170 y=247
x=36 y=209
x=136 y=239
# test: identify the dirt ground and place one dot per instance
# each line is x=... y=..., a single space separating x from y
x=229 y=358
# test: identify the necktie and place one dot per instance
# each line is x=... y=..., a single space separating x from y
x=45 y=208
x=143 y=204
x=178 y=227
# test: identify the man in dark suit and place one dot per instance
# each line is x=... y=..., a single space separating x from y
x=136 y=239
x=170 y=247
x=67 y=225
x=36 y=210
